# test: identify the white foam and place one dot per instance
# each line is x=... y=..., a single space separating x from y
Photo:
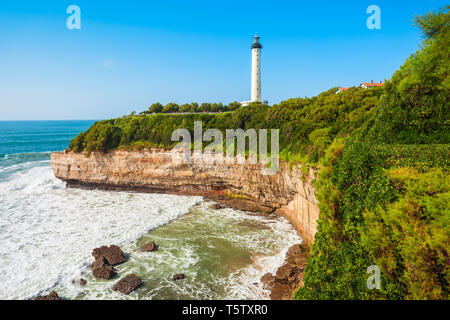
x=268 y=240
x=270 y=247
x=47 y=232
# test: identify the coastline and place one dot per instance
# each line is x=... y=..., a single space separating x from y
x=288 y=276
x=289 y=193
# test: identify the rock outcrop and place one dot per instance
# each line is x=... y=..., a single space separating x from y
x=128 y=284
x=150 y=246
x=51 y=296
x=178 y=276
x=101 y=269
x=289 y=192
x=112 y=254
x=289 y=277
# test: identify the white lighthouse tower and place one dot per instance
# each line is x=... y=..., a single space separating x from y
x=256 y=69
x=256 y=73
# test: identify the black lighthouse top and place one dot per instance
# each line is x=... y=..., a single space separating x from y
x=256 y=44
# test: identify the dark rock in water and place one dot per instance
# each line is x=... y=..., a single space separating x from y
x=148 y=247
x=51 y=296
x=80 y=282
x=178 y=276
x=101 y=269
x=128 y=284
x=98 y=263
x=113 y=254
x=107 y=272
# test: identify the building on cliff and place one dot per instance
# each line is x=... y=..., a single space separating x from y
x=371 y=84
x=364 y=85
x=256 y=73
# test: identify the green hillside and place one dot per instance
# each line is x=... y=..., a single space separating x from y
x=385 y=192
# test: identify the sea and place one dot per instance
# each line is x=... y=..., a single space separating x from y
x=48 y=231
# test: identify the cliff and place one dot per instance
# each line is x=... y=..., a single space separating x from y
x=288 y=192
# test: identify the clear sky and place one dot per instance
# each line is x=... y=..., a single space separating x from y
x=129 y=54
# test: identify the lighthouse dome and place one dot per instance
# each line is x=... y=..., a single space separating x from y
x=256 y=44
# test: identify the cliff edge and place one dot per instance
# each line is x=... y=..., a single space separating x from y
x=288 y=193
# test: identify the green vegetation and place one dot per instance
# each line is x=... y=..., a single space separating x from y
x=383 y=185
x=384 y=192
x=307 y=125
x=193 y=107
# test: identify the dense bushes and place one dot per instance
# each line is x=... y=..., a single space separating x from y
x=307 y=125
x=384 y=199
x=418 y=224
x=193 y=107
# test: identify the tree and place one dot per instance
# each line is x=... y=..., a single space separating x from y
x=171 y=107
x=185 y=107
x=205 y=107
x=433 y=23
x=234 y=105
x=217 y=107
x=194 y=107
x=156 y=108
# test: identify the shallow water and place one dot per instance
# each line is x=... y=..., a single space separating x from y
x=47 y=233
x=223 y=254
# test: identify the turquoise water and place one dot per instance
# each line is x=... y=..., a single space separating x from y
x=22 y=141
x=47 y=231
x=25 y=144
x=39 y=136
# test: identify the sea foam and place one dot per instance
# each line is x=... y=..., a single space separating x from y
x=47 y=232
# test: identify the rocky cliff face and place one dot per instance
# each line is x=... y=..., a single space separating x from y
x=287 y=192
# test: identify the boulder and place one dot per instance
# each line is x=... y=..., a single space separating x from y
x=98 y=263
x=113 y=254
x=107 y=272
x=148 y=247
x=178 y=276
x=51 y=296
x=128 y=284
x=101 y=269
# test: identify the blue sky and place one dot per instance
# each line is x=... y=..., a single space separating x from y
x=129 y=54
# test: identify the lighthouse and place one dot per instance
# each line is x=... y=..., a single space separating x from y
x=255 y=95
x=256 y=69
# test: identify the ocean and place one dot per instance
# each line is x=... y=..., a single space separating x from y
x=47 y=231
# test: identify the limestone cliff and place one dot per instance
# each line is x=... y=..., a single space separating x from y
x=287 y=192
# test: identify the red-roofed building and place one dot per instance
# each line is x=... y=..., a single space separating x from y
x=341 y=89
x=371 y=85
